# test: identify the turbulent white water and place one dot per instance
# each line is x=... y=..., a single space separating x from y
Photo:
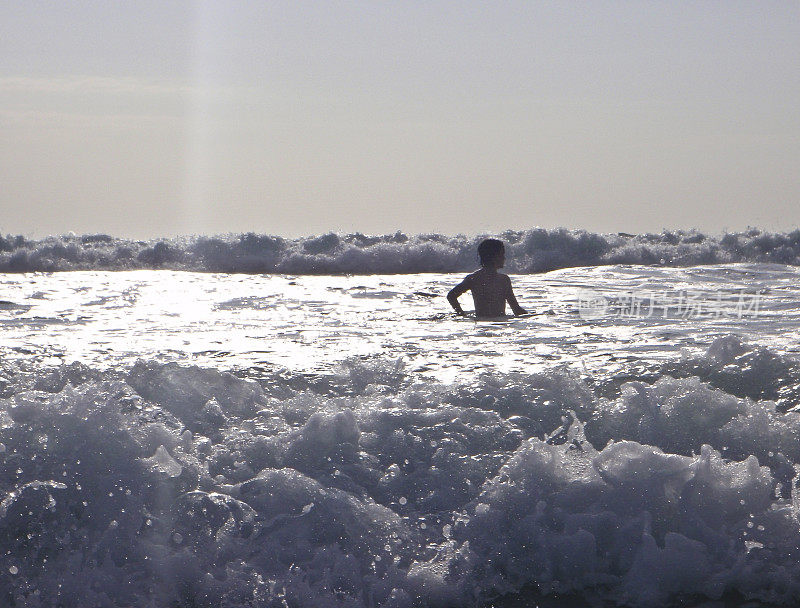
x=195 y=439
x=534 y=250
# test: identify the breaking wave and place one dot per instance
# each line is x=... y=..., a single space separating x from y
x=536 y=250
x=162 y=484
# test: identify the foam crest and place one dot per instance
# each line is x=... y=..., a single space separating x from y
x=163 y=484
x=535 y=250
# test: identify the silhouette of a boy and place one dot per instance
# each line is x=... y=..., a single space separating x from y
x=490 y=289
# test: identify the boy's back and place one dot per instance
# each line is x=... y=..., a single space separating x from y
x=490 y=289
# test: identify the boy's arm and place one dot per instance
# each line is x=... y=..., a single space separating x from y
x=512 y=300
x=459 y=289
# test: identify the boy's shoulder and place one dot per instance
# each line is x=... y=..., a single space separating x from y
x=493 y=276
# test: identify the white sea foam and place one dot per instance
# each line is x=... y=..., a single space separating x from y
x=193 y=439
x=163 y=484
x=536 y=250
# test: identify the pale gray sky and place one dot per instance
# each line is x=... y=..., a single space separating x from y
x=149 y=119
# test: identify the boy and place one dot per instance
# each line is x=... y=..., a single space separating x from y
x=490 y=289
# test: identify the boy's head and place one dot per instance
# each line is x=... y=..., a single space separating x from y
x=492 y=253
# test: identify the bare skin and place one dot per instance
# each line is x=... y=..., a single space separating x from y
x=490 y=291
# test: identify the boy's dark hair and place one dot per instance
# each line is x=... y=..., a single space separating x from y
x=489 y=249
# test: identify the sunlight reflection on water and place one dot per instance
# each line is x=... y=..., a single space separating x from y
x=309 y=323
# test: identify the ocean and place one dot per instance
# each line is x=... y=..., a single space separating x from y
x=249 y=420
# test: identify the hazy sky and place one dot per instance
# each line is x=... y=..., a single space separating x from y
x=149 y=119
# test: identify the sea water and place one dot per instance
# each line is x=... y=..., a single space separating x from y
x=174 y=438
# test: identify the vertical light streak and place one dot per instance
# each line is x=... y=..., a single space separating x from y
x=198 y=170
